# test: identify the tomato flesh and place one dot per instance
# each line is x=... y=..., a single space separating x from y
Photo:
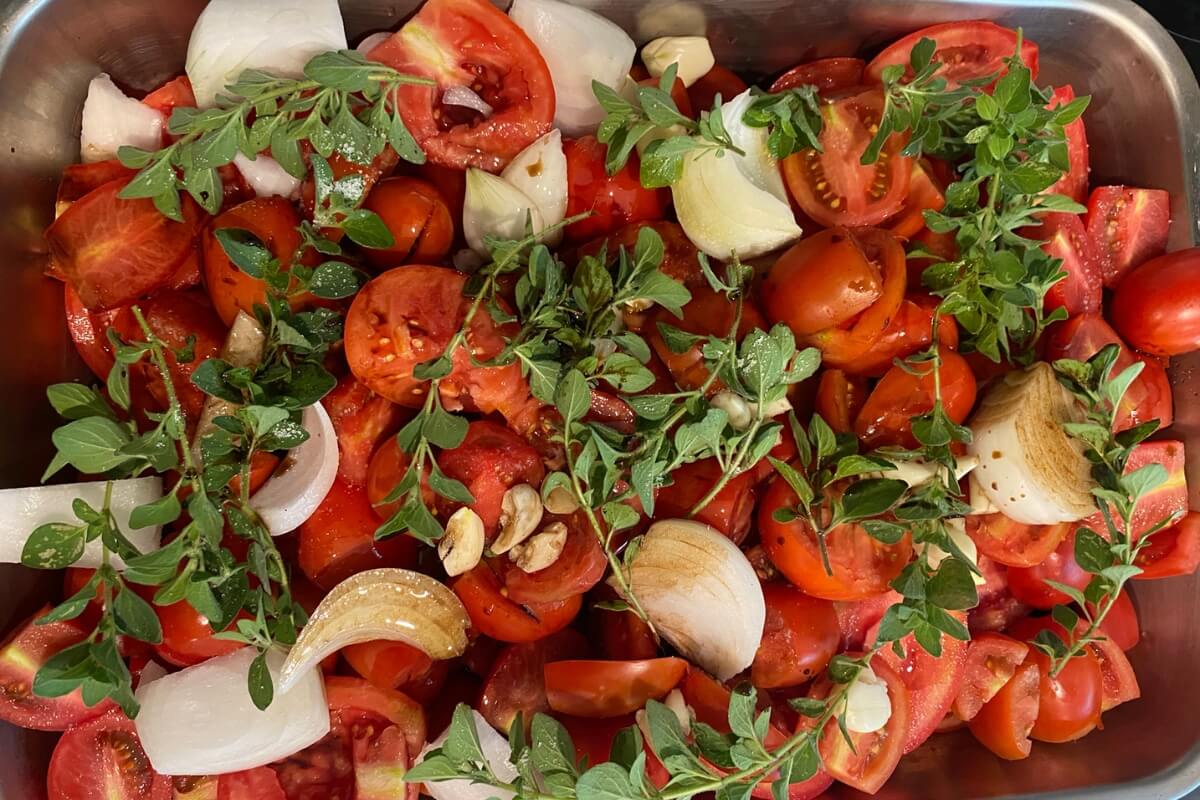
x=992 y=660
x=1069 y=708
x=362 y=420
x=969 y=50
x=886 y=417
x=1128 y=226
x=799 y=638
x=609 y=688
x=494 y=615
x=1013 y=543
x=491 y=460
x=1067 y=239
x=730 y=511
x=1073 y=184
x=102 y=759
x=1004 y=722
x=933 y=682
x=830 y=76
x=821 y=282
x=1171 y=552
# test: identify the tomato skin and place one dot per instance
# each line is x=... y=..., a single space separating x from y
x=707 y=314
x=862 y=566
x=933 y=682
x=1004 y=723
x=972 y=49
x=188 y=637
x=494 y=615
x=1156 y=307
x=910 y=330
x=1119 y=683
x=102 y=758
x=992 y=660
x=619 y=635
x=490 y=461
x=578 y=568
x=88 y=332
x=799 y=638
x=465 y=43
x=338 y=540
x=385 y=471
x=273 y=221
x=609 y=688
x=822 y=281
x=679 y=254
x=418 y=219
x=1171 y=552
x=886 y=417
x=1121 y=624
x=362 y=420
x=849 y=195
x=1012 y=543
x=1066 y=238
x=515 y=685
x=80 y=179
x=387 y=664
x=1075 y=183
x=839 y=399
x=171 y=95
x=730 y=511
x=1028 y=584
x=1168 y=499
x=1129 y=226
x=1070 y=702
x=924 y=194
x=614 y=200
x=829 y=75
x=346 y=696
x=717 y=81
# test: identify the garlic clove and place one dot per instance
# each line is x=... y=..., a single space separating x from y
x=520 y=514
x=693 y=56
x=461 y=546
x=542 y=550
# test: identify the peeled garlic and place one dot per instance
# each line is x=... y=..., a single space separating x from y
x=520 y=515
x=735 y=407
x=542 y=550
x=540 y=172
x=494 y=207
x=461 y=546
x=868 y=706
x=917 y=472
x=693 y=54
x=560 y=501
x=956 y=529
x=393 y=604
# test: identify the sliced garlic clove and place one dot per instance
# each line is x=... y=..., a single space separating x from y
x=520 y=514
x=542 y=550
x=461 y=546
x=560 y=501
x=868 y=706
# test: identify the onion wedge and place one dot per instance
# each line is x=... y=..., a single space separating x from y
x=393 y=604
x=494 y=207
x=292 y=494
x=1029 y=467
x=111 y=120
x=201 y=721
x=701 y=594
x=540 y=172
x=25 y=508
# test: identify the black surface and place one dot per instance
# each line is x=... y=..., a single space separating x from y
x=1182 y=19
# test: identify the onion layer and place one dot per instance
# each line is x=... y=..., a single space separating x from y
x=701 y=594
x=540 y=172
x=292 y=494
x=393 y=604
x=201 y=721
x=110 y=120
x=266 y=177
x=494 y=207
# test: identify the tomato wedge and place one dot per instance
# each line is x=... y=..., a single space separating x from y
x=387 y=664
x=470 y=43
x=490 y=460
x=969 y=50
x=839 y=399
x=1028 y=584
x=1118 y=682
x=494 y=615
x=1128 y=226
x=886 y=417
x=1074 y=184
x=992 y=660
x=515 y=682
x=1067 y=239
x=832 y=186
x=1013 y=543
x=830 y=75
x=1004 y=723
x=731 y=511
x=102 y=759
x=933 y=682
x=1174 y=551
x=609 y=688
x=1168 y=499
x=362 y=420
x=88 y=331
x=800 y=636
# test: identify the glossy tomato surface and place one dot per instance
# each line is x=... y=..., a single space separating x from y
x=1156 y=307
x=969 y=50
x=886 y=417
x=992 y=659
x=1003 y=724
x=490 y=461
x=609 y=688
x=1070 y=701
x=102 y=759
x=362 y=420
x=494 y=615
x=1174 y=551
x=1128 y=226
x=613 y=201
x=799 y=638
x=418 y=219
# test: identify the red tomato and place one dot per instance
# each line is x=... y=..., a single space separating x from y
x=801 y=634
x=1169 y=499
x=348 y=698
x=862 y=566
x=362 y=420
x=338 y=540
x=260 y=783
x=839 y=399
x=102 y=759
x=470 y=43
x=619 y=635
x=515 y=682
x=579 y=567
x=80 y=179
x=494 y=615
x=717 y=81
x=679 y=254
x=1156 y=307
x=1074 y=184
x=407 y=316
x=857 y=617
x=992 y=659
x=870 y=760
x=1067 y=239
x=933 y=682
x=614 y=200
x=707 y=314
x=1004 y=723
x=1171 y=552
x=822 y=281
x=886 y=417
x=113 y=251
x=1028 y=584
x=594 y=738
x=910 y=330
x=175 y=93
x=609 y=688
x=1012 y=543
x=833 y=187
x=1147 y=398
x=490 y=461
x=21 y=656
x=1119 y=683
x=830 y=76
x=188 y=637
x=273 y=221
x=679 y=94
x=1129 y=226
x=451 y=185
x=1121 y=623
x=342 y=167
x=1070 y=701
x=924 y=194
x=997 y=607
x=969 y=50
x=418 y=219
x=387 y=467
x=730 y=511
x=388 y=664
x=88 y=332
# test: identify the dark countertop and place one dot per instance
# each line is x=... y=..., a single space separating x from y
x=1182 y=19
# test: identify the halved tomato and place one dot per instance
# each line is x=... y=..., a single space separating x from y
x=708 y=313
x=614 y=201
x=1012 y=543
x=113 y=251
x=730 y=511
x=1004 y=723
x=609 y=688
x=494 y=615
x=832 y=186
x=388 y=466
x=418 y=219
x=1067 y=239
x=1028 y=584
x=886 y=417
x=717 y=81
x=88 y=331
x=800 y=636
x=857 y=617
x=361 y=419
x=577 y=569
x=830 y=76
x=349 y=697
x=473 y=44
x=839 y=399
x=387 y=664
x=862 y=565
x=102 y=759
x=1174 y=551
x=1128 y=226
x=1168 y=499
x=1074 y=184
x=910 y=331
x=1118 y=682
x=969 y=50
x=516 y=682
x=924 y=194
x=992 y=659
x=490 y=461
x=188 y=638
x=1070 y=701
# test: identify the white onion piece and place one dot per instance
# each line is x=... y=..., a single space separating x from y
x=266 y=177
x=25 y=508
x=494 y=207
x=496 y=750
x=868 y=706
x=276 y=36
x=292 y=494
x=459 y=95
x=371 y=41
x=977 y=499
x=757 y=164
x=701 y=594
x=579 y=46
x=393 y=604
x=201 y=720
x=723 y=212
x=540 y=172
x=1028 y=466
x=110 y=120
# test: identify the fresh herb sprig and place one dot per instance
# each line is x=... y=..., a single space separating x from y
x=628 y=121
x=1110 y=556
x=344 y=104
x=702 y=762
x=793 y=118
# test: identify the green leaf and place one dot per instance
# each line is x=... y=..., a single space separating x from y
x=55 y=545
x=366 y=229
x=76 y=401
x=1092 y=552
x=552 y=750
x=462 y=739
x=75 y=605
x=884 y=531
x=433 y=767
x=606 y=781
x=574 y=397
x=952 y=586
x=334 y=280
x=443 y=429
x=162 y=511
x=245 y=250
x=136 y=617
x=843 y=669
x=258 y=682
x=871 y=497
x=795 y=479
x=92 y=445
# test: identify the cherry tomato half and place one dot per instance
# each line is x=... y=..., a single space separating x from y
x=886 y=417
x=614 y=200
x=102 y=759
x=494 y=615
x=1004 y=722
x=1070 y=701
x=418 y=219
x=1129 y=226
x=969 y=50
x=799 y=638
